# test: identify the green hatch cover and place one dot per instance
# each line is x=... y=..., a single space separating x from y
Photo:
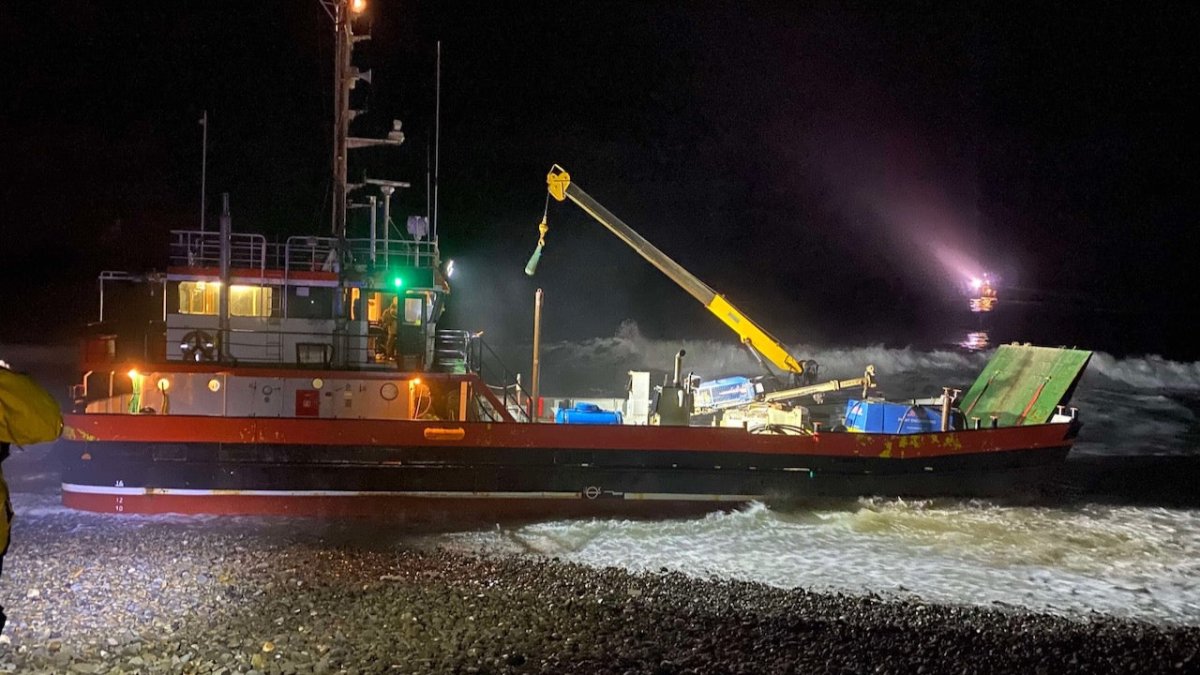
x=1024 y=385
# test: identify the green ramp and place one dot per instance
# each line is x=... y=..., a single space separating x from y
x=1022 y=384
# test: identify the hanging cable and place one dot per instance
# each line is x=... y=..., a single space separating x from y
x=543 y=228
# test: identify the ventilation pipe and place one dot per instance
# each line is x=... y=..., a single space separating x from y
x=223 y=291
x=373 y=201
x=387 y=191
x=535 y=373
x=678 y=367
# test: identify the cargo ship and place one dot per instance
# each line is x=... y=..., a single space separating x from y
x=313 y=377
x=214 y=438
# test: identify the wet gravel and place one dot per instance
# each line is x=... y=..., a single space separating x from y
x=102 y=594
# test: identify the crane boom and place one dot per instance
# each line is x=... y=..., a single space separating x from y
x=561 y=188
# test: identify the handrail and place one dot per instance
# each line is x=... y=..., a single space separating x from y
x=509 y=379
x=309 y=253
x=483 y=390
x=394 y=253
x=193 y=248
x=357 y=354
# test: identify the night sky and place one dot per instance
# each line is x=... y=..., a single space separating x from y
x=832 y=168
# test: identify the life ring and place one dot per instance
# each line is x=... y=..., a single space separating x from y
x=198 y=346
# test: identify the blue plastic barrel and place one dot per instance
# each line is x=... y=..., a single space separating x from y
x=586 y=413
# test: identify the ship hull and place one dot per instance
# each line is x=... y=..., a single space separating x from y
x=423 y=471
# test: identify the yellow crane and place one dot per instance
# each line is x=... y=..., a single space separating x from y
x=561 y=188
x=760 y=342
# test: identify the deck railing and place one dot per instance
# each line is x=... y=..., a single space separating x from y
x=193 y=248
x=511 y=393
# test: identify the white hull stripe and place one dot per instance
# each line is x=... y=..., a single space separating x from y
x=427 y=494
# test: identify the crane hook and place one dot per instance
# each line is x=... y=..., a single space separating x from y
x=534 y=259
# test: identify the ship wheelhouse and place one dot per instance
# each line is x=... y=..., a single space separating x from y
x=289 y=329
x=289 y=304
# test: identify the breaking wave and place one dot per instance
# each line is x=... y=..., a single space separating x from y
x=600 y=364
x=574 y=362
x=1133 y=562
x=1148 y=372
x=1144 y=405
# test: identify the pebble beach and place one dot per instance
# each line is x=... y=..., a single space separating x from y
x=105 y=594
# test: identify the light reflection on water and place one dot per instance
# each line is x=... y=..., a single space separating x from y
x=975 y=341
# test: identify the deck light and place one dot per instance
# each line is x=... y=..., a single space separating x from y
x=358 y=6
x=134 y=374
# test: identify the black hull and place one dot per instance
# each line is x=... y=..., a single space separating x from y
x=298 y=471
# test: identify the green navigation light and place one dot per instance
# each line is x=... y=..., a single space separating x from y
x=398 y=282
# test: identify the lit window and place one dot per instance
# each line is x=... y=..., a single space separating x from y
x=412 y=311
x=198 y=297
x=250 y=300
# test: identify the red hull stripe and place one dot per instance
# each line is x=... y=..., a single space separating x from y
x=549 y=437
x=423 y=494
x=456 y=507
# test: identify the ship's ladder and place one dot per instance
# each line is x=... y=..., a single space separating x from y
x=273 y=341
x=273 y=347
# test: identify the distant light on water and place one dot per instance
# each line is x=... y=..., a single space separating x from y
x=975 y=341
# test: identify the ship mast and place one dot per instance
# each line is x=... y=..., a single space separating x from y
x=345 y=76
x=342 y=12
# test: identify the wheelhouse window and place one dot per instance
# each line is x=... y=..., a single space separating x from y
x=197 y=297
x=201 y=297
x=250 y=300
x=412 y=310
x=309 y=302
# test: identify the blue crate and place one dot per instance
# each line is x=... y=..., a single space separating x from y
x=881 y=417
